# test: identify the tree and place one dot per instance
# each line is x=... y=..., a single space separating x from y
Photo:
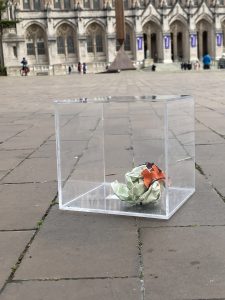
x=4 y=23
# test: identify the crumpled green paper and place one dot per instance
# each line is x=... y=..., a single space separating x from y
x=133 y=191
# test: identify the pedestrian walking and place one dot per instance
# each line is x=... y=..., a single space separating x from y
x=84 y=68
x=79 y=67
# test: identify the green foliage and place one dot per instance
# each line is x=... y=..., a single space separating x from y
x=4 y=23
x=7 y=23
x=3 y=71
x=3 y=6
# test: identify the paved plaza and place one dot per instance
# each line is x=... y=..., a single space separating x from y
x=48 y=254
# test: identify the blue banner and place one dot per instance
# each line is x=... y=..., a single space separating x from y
x=219 y=39
x=193 y=40
x=139 y=43
x=167 y=41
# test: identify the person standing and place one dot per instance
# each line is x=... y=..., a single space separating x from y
x=24 y=63
x=84 y=68
x=206 y=61
x=79 y=67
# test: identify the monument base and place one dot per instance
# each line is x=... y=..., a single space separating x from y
x=121 y=62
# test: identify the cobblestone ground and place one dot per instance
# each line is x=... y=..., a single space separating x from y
x=50 y=254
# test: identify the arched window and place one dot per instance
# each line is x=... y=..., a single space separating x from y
x=95 y=39
x=66 y=40
x=36 y=44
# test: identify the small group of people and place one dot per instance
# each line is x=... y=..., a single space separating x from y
x=206 y=60
x=82 y=68
x=186 y=66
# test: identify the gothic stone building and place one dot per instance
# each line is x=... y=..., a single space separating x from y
x=53 y=34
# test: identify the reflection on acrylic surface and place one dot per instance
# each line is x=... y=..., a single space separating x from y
x=99 y=141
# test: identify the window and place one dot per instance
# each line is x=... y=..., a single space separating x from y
x=67 y=4
x=87 y=4
x=57 y=4
x=40 y=48
x=70 y=44
x=30 y=49
x=89 y=44
x=126 y=4
x=96 y=4
x=99 y=43
x=26 y=4
x=60 y=45
x=95 y=39
x=37 y=4
x=127 y=46
x=15 y=51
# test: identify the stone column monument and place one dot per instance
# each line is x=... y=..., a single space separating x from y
x=121 y=61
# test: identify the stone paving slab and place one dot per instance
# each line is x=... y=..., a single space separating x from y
x=73 y=245
x=12 y=245
x=48 y=150
x=95 y=289
x=33 y=170
x=10 y=159
x=184 y=263
x=22 y=143
x=211 y=159
x=23 y=205
x=207 y=137
x=8 y=130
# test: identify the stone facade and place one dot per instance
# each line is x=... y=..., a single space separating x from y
x=53 y=34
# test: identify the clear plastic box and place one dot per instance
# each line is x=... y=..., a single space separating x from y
x=99 y=140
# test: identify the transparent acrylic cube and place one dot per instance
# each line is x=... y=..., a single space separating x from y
x=99 y=140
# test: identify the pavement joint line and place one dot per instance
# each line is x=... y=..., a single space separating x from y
x=18 y=230
x=214 y=131
x=28 y=182
x=206 y=299
x=209 y=144
x=10 y=171
x=23 y=253
x=72 y=278
x=218 y=192
x=141 y=263
x=16 y=149
x=15 y=134
x=183 y=226
x=199 y=168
